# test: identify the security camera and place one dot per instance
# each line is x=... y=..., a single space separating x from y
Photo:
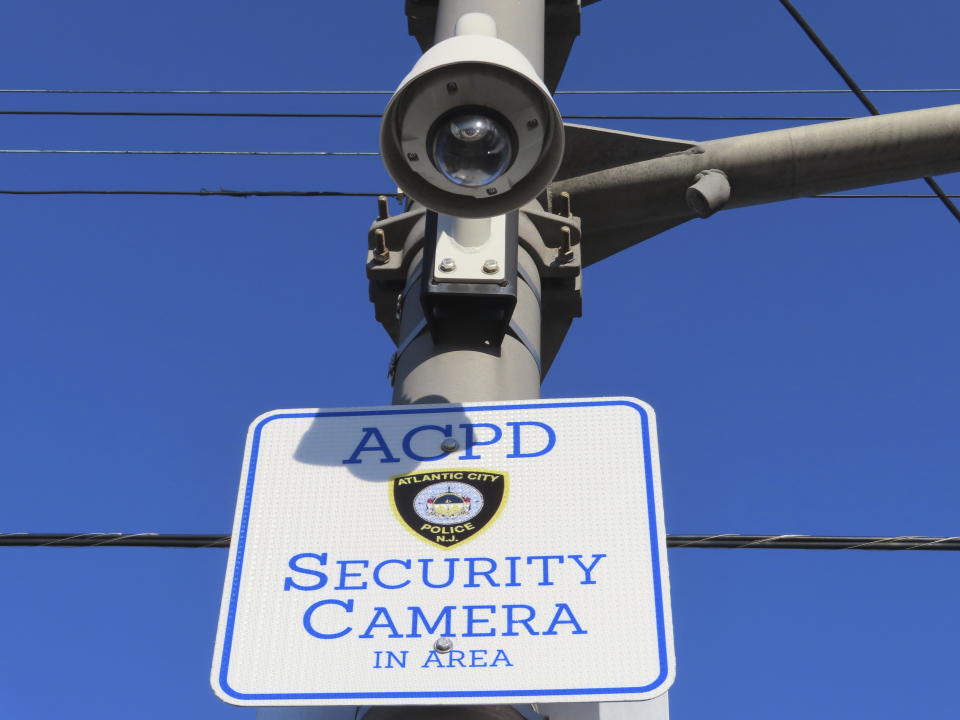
x=472 y=131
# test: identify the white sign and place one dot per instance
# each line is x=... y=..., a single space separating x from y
x=448 y=554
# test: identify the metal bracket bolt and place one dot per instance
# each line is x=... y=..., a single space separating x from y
x=383 y=209
x=566 y=247
x=447 y=265
x=566 y=207
x=380 y=252
x=491 y=266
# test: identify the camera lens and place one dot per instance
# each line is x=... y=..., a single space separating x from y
x=471 y=148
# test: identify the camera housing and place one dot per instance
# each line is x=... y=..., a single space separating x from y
x=480 y=98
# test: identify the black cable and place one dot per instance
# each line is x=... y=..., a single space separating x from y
x=205 y=193
x=744 y=92
x=814 y=542
x=280 y=153
x=729 y=541
x=707 y=117
x=338 y=193
x=112 y=539
x=882 y=196
x=855 y=89
x=830 y=57
x=26 y=91
x=62 y=91
x=150 y=113
x=377 y=116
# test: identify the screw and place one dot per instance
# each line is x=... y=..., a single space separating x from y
x=491 y=191
x=412 y=157
x=447 y=265
x=443 y=645
x=449 y=445
x=491 y=266
x=452 y=87
x=533 y=124
x=380 y=252
x=565 y=254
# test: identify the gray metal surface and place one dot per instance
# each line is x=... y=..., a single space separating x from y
x=307 y=713
x=656 y=709
x=461 y=369
x=519 y=23
x=444 y=712
x=623 y=205
x=458 y=369
x=560 y=23
x=589 y=149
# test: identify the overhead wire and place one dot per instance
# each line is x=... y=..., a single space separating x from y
x=731 y=541
x=222 y=192
x=785 y=91
x=856 y=90
x=293 y=153
x=798 y=91
x=938 y=193
x=343 y=193
x=882 y=196
x=678 y=541
x=377 y=116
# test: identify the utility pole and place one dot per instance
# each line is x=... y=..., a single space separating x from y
x=460 y=363
x=462 y=336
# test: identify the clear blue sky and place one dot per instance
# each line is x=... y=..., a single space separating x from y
x=802 y=357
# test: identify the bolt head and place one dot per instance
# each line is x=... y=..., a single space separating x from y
x=449 y=445
x=447 y=265
x=491 y=266
x=443 y=645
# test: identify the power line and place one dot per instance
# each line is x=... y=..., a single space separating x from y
x=28 y=91
x=206 y=193
x=751 y=92
x=151 y=113
x=307 y=153
x=883 y=196
x=725 y=540
x=377 y=116
x=112 y=539
x=814 y=542
x=338 y=193
x=856 y=90
x=61 y=91
x=293 y=153
x=708 y=117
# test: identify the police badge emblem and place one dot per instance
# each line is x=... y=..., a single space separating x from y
x=448 y=507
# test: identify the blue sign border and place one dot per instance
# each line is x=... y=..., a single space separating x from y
x=466 y=694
